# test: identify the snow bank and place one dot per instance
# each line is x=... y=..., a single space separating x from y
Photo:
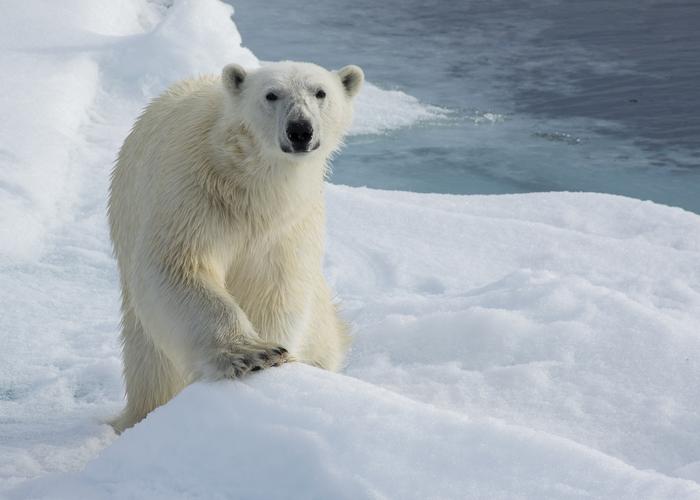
x=298 y=432
x=536 y=346
x=526 y=346
x=575 y=314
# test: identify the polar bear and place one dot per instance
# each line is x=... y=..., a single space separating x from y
x=216 y=214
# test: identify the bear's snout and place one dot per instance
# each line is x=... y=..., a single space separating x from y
x=299 y=133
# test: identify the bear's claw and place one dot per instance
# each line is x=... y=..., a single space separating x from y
x=250 y=358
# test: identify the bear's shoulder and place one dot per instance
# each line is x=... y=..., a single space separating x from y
x=185 y=102
x=184 y=88
x=193 y=91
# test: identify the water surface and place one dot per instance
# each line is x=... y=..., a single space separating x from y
x=543 y=96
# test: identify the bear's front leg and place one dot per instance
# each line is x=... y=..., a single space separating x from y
x=199 y=325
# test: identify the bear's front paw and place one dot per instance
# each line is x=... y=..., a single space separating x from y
x=242 y=359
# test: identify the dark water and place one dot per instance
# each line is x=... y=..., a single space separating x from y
x=544 y=95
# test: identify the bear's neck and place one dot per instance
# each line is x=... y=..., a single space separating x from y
x=245 y=180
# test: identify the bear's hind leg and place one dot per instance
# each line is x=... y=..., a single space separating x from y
x=150 y=376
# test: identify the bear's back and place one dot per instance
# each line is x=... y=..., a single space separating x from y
x=165 y=143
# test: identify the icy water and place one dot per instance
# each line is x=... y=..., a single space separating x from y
x=542 y=96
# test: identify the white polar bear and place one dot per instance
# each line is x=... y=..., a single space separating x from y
x=216 y=213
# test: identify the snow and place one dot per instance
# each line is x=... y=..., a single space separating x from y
x=297 y=432
x=519 y=346
x=378 y=110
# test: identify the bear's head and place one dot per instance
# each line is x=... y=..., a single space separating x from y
x=294 y=111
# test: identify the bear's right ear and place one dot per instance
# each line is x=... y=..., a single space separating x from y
x=352 y=78
x=233 y=77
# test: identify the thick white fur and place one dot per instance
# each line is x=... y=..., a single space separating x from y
x=219 y=234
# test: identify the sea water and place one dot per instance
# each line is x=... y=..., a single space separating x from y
x=537 y=95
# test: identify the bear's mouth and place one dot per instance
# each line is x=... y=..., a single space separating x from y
x=291 y=149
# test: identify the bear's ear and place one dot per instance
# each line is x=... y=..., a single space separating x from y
x=233 y=77
x=351 y=77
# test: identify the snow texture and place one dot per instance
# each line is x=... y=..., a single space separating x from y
x=519 y=346
x=299 y=433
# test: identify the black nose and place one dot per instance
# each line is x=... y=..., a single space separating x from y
x=299 y=134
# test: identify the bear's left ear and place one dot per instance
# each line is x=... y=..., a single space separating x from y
x=233 y=77
x=351 y=77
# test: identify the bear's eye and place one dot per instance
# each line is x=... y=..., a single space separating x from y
x=271 y=96
x=320 y=94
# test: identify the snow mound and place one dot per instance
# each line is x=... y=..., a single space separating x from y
x=568 y=313
x=525 y=346
x=298 y=432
